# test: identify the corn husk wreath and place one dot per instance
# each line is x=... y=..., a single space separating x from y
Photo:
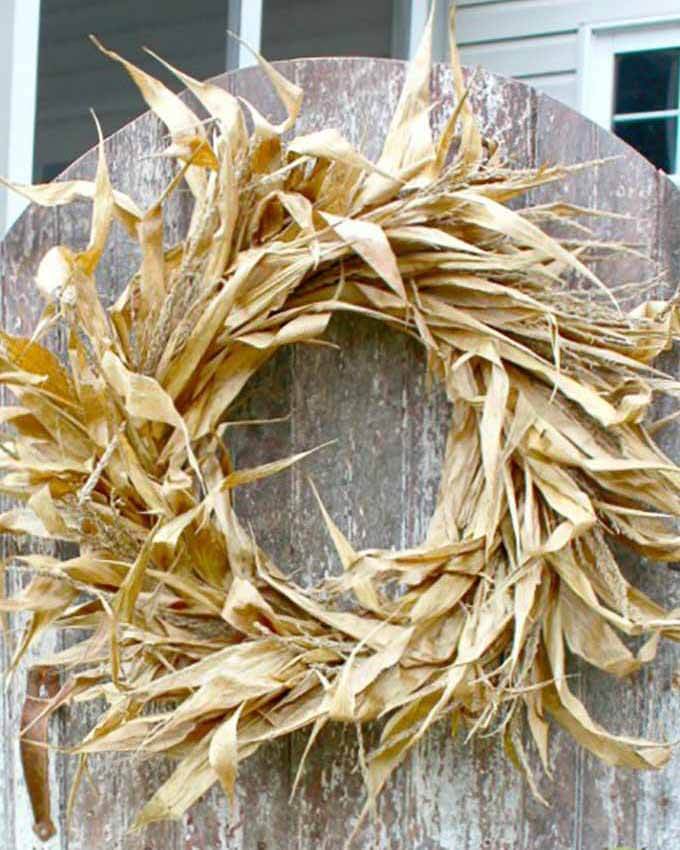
x=547 y=461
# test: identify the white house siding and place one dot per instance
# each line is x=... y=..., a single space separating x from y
x=538 y=40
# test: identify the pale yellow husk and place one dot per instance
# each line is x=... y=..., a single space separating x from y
x=547 y=461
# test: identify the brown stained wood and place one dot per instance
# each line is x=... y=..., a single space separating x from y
x=379 y=482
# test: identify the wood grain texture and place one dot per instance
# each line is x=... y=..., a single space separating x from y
x=379 y=482
x=20 y=252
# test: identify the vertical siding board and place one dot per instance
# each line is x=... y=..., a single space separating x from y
x=563 y=137
x=658 y=824
x=494 y=813
x=264 y=782
x=437 y=812
x=21 y=307
x=355 y=394
x=611 y=795
x=19 y=256
x=505 y=110
x=106 y=807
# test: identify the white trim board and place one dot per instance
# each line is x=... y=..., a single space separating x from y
x=244 y=19
x=250 y=30
x=19 y=31
x=417 y=20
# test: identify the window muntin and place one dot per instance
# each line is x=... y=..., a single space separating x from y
x=647 y=104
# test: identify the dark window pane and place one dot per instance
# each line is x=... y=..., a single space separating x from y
x=293 y=28
x=654 y=138
x=73 y=76
x=646 y=81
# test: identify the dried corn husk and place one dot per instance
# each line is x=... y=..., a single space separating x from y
x=548 y=459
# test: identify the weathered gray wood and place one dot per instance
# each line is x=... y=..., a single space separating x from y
x=566 y=137
x=19 y=309
x=616 y=807
x=609 y=797
x=379 y=483
x=120 y=778
x=656 y=706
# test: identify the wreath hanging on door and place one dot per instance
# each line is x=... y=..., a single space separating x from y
x=120 y=450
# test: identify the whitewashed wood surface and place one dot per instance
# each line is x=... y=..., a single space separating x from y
x=378 y=481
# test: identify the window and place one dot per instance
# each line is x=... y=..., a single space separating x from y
x=630 y=84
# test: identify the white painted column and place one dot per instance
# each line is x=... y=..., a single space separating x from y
x=245 y=20
x=418 y=18
x=251 y=30
x=19 y=31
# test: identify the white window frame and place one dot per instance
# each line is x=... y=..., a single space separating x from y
x=599 y=45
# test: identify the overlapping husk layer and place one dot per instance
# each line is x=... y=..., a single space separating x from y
x=548 y=462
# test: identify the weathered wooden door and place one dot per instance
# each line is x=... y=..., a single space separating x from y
x=379 y=483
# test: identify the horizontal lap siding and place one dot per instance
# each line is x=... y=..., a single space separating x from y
x=563 y=87
x=525 y=57
x=526 y=18
x=537 y=40
x=73 y=76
